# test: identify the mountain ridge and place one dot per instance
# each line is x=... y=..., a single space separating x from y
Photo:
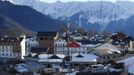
x=29 y=17
x=80 y=19
x=94 y=11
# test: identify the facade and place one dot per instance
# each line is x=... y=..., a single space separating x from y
x=107 y=52
x=60 y=47
x=46 y=39
x=131 y=45
x=10 y=47
x=38 y=50
x=77 y=46
x=42 y=61
x=122 y=41
x=75 y=35
x=16 y=47
x=27 y=43
x=84 y=60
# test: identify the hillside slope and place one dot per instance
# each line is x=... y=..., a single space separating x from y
x=29 y=17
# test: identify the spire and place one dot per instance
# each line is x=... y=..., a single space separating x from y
x=68 y=31
x=68 y=58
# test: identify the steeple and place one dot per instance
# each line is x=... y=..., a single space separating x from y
x=68 y=32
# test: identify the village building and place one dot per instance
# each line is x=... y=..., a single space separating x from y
x=75 y=35
x=37 y=62
x=46 y=39
x=75 y=46
x=10 y=47
x=83 y=60
x=16 y=47
x=107 y=52
x=60 y=47
x=27 y=43
x=122 y=41
x=38 y=50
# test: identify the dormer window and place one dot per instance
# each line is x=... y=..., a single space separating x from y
x=28 y=44
x=63 y=45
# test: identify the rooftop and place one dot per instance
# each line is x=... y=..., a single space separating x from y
x=38 y=49
x=9 y=39
x=46 y=33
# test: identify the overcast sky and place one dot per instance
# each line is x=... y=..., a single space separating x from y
x=50 y=1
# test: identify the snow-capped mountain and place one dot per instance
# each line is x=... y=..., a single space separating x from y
x=94 y=15
x=95 y=11
x=27 y=18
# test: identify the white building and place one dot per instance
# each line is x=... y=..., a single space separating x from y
x=107 y=52
x=75 y=35
x=7 y=52
x=37 y=62
x=16 y=47
x=84 y=58
x=81 y=46
x=26 y=45
x=74 y=47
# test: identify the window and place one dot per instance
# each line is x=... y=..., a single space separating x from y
x=41 y=38
x=63 y=44
x=28 y=44
x=51 y=38
x=114 y=56
x=46 y=38
x=11 y=47
x=108 y=57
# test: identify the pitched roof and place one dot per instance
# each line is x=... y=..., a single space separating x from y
x=46 y=33
x=106 y=49
x=120 y=36
x=86 y=58
x=73 y=44
x=79 y=56
x=89 y=42
x=11 y=39
x=54 y=57
x=38 y=49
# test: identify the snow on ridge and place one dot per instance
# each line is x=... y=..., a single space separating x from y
x=94 y=11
